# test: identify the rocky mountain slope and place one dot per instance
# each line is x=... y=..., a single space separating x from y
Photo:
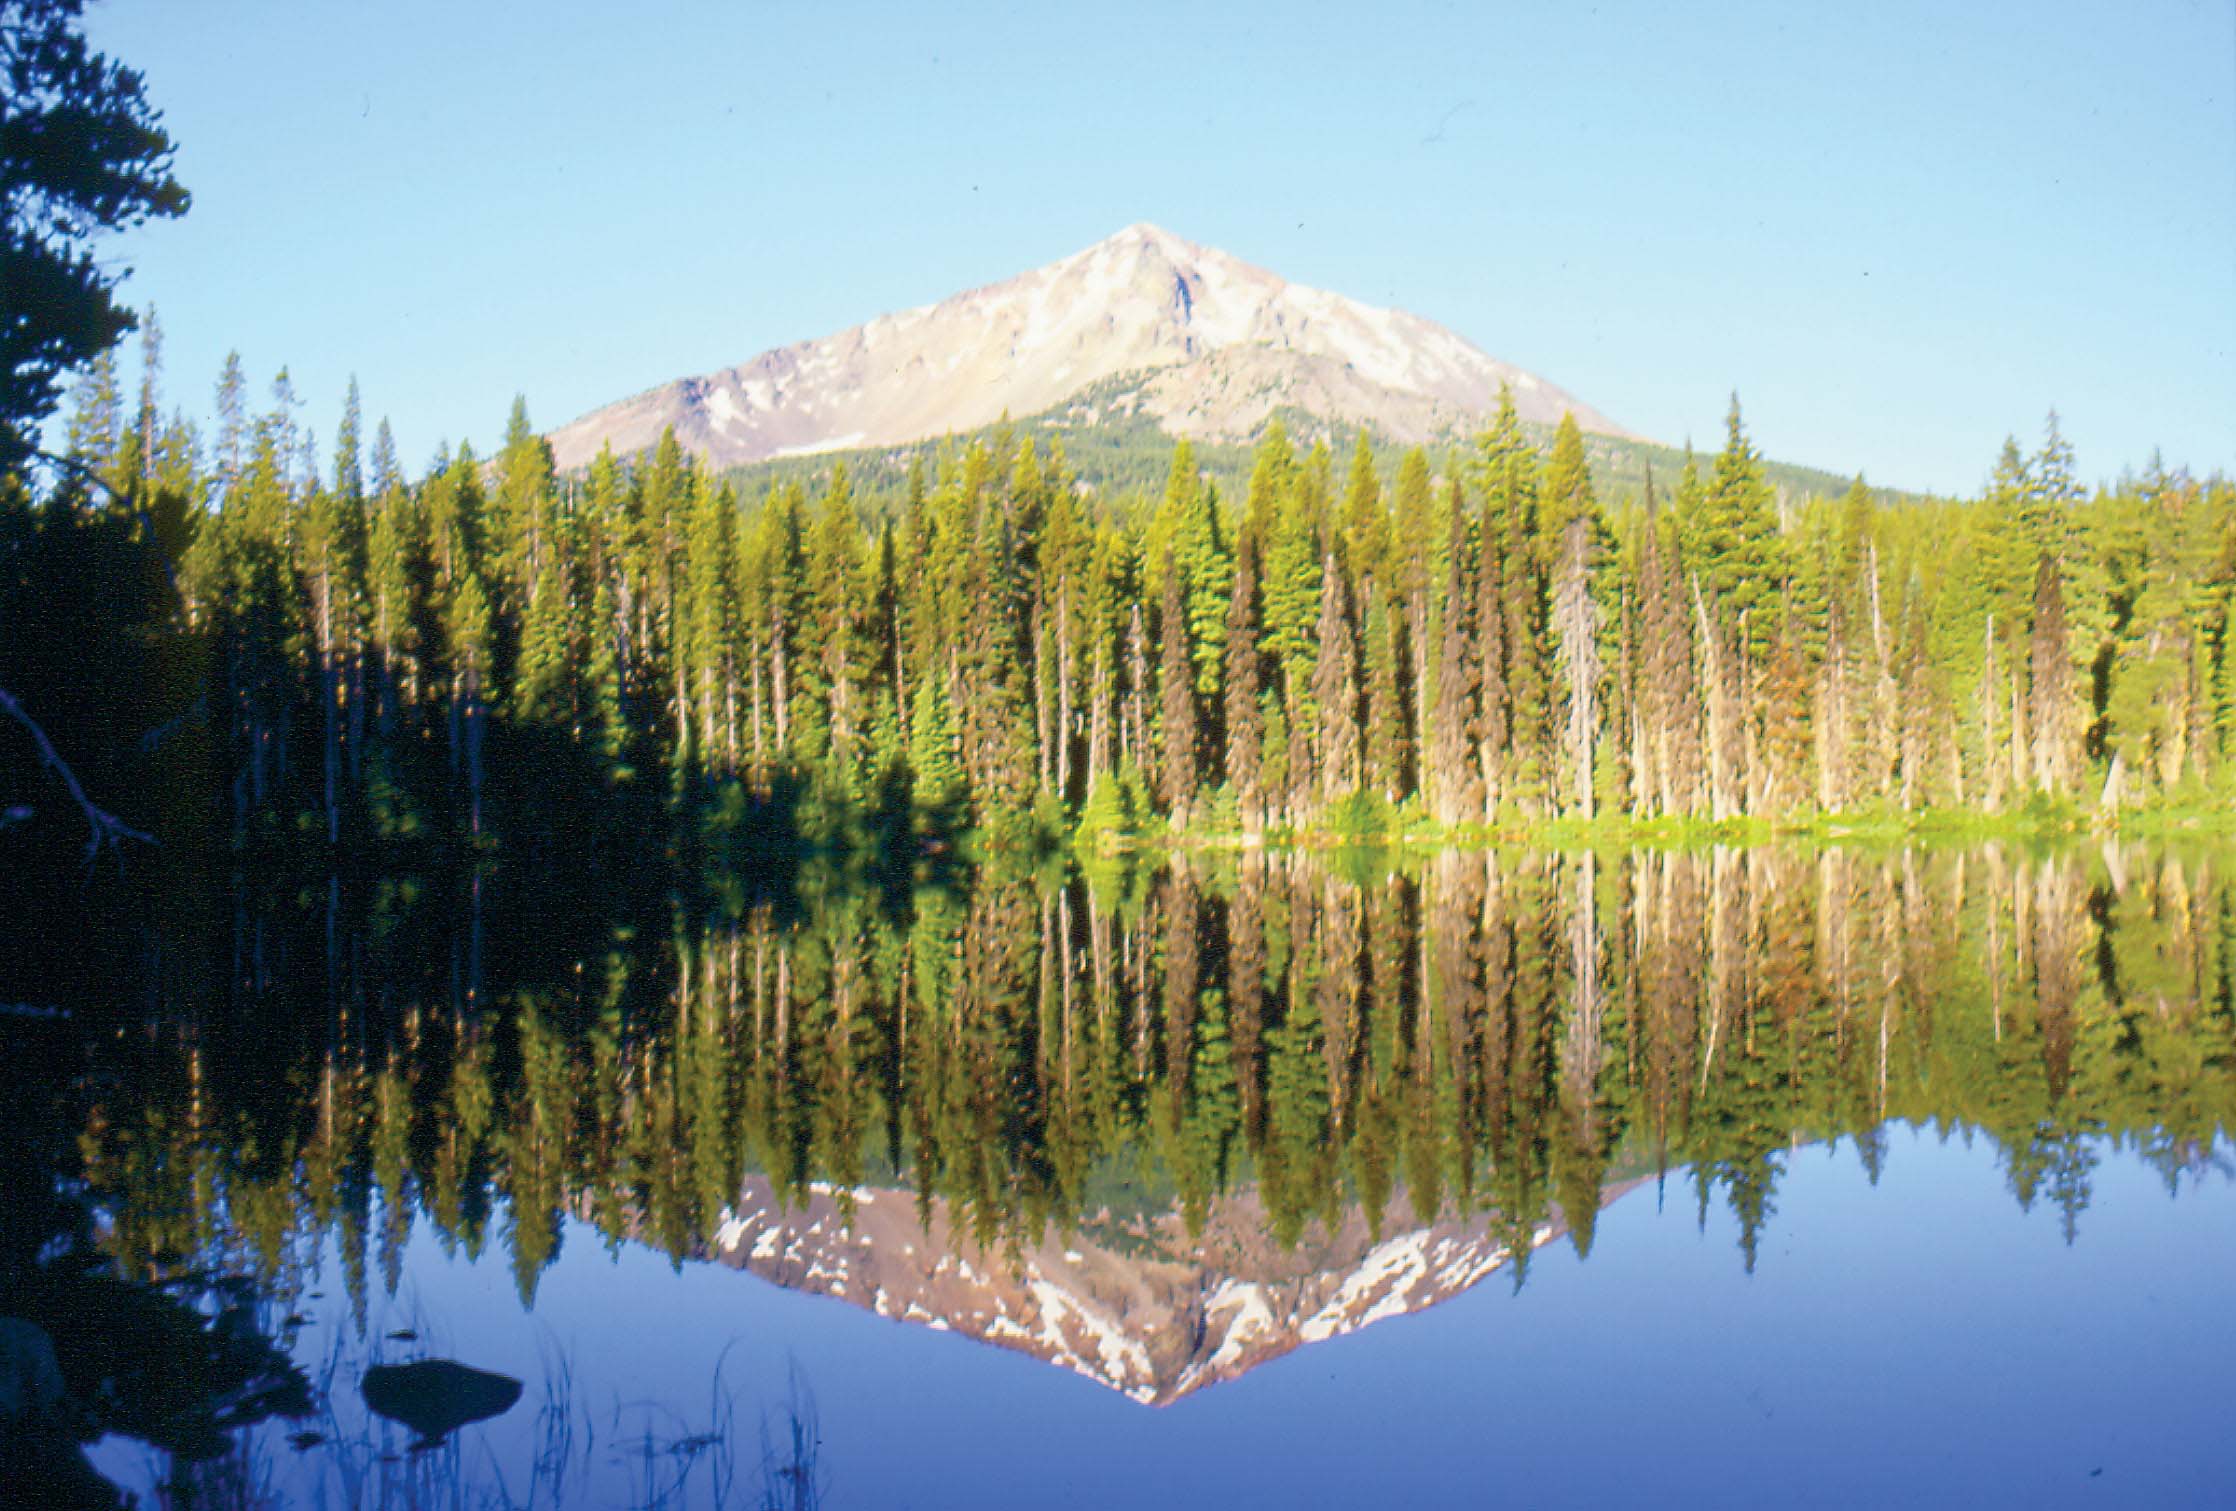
x=1142 y=1309
x=1207 y=344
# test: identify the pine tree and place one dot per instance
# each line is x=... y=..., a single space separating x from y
x=469 y=633
x=2052 y=493
x=1388 y=726
x=1416 y=566
x=1567 y=488
x=520 y=511
x=544 y=682
x=1176 y=721
x=998 y=759
x=2051 y=711
x=1244 y=723
x=838 y=653
x=396 y=592
x=232 y=423
x=144 y=427
x=95 y=436
x=1451 y=776
x=1671 y=700
x=1187 y=536
x=1735 y=542
x=349 y=471
x=1292 y=593
x=1576 y=626
x=1365 y=532
x=2010 y=548
x=332 y=561
x=1335 y=690
x=606 y=713
x=1517 y=713
x=1723 y=701
x=933 y=747
x=1417 y=545
x=1493 y=723
x=1782 y=694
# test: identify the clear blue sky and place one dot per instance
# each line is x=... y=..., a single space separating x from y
x=1900 y=231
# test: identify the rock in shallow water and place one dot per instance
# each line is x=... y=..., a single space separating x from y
x=436 y=1397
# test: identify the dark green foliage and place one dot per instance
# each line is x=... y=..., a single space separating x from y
x=1178 y=731
x=1732 y=540
x=1335 y=690
x=82 y=152
x=1244 y=677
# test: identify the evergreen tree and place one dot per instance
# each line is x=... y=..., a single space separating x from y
x=1417 y=544
x=1335 y=690
x=1568 y=488
x=933 y=748
x=2051 y=713
x=1244 y=721
x=95 y=436
x=1176 y=719
x=1388 y=751
x=1450 y=774
x=1735 y=541
x=1576 y=626
x=232 y=422
x=520 y=511
x=1364 y=533
x=144 y=428
x=1292 y=593
x=1516 y=696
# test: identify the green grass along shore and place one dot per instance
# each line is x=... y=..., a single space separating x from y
x=1364 y=820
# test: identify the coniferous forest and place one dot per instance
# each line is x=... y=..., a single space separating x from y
x=317 y=645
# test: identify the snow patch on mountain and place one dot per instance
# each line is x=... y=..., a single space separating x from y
x=1145 y=1312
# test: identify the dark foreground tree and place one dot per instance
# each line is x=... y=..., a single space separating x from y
x=81 y=153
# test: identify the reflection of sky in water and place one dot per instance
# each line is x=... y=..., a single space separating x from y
x=1921 y=1341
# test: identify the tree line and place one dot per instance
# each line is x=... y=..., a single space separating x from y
x=1474 y=639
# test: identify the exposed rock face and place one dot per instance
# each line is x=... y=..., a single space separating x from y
x=1206 y=343
x=1144 y=1310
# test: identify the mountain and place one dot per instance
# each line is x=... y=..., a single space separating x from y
x=1144 y=323
x=1138 y=1306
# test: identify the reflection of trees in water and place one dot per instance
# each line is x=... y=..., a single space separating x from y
x=1497 y=1031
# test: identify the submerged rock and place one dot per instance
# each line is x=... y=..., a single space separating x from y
x=436 y=1397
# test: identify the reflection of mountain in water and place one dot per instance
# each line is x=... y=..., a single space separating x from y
x=1138 y=1307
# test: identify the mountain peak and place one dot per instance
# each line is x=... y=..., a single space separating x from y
x=1212 y=345
x=1144 y=233
x=1149 y=231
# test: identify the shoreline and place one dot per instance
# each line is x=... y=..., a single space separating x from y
x=2062 y=825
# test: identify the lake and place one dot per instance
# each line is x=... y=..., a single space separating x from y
x=1734 y=1176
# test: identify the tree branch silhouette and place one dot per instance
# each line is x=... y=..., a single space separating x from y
x=106 y=828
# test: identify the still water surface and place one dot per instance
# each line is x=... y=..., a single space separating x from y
x=1741 y=1177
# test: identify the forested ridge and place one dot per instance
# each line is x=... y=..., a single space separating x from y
x=287 y=640
x=1114 y=451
